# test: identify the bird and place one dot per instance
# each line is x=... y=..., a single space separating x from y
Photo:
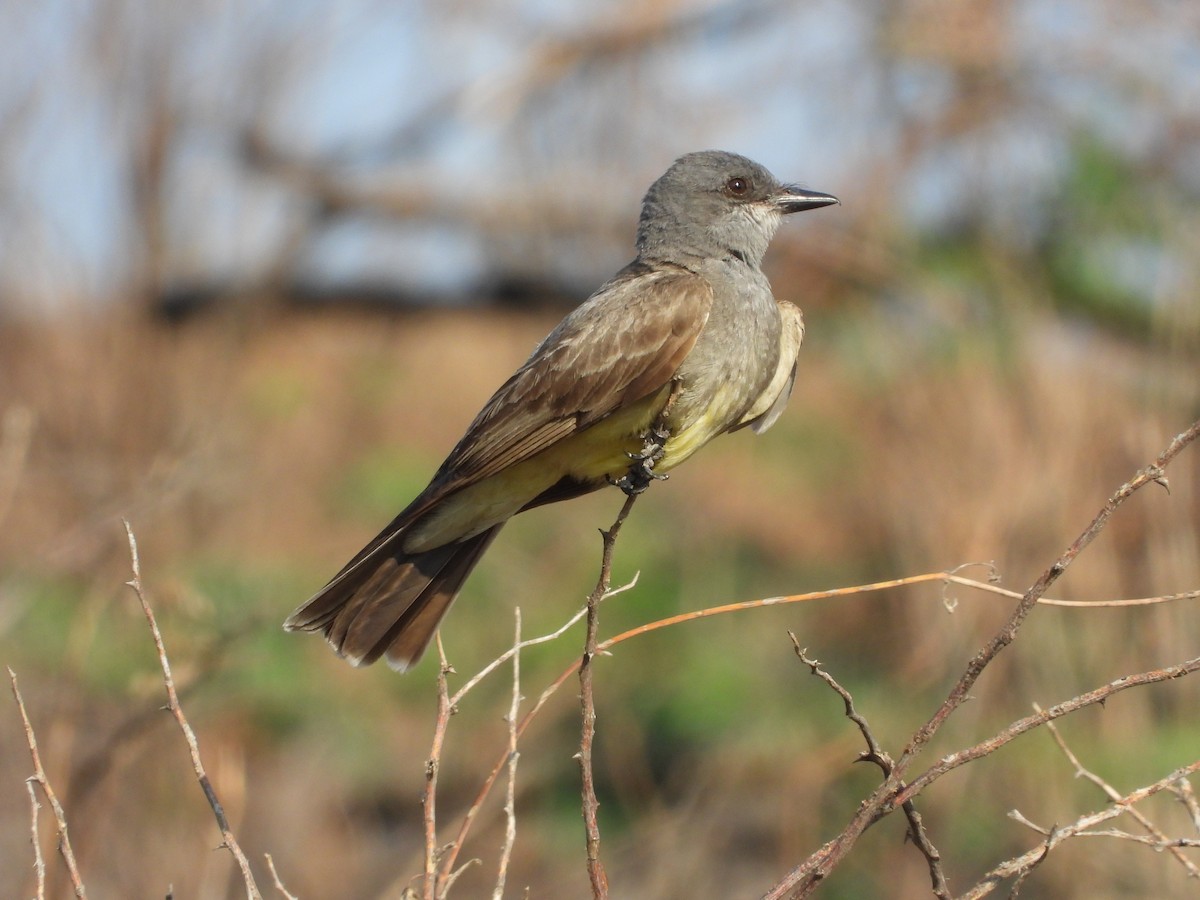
x=685 y=343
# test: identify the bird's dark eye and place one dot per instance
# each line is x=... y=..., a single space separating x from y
x=737 y=186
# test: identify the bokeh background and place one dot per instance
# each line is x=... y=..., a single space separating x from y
x=260 y=263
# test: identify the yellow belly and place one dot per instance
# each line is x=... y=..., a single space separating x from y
x=594 y=454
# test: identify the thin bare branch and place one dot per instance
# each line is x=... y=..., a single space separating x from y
x=1163 y=843
x=277 y=881
x=451 y=851
x=1183 y=791
x=890 y=584
x=1019 y=866
x=176 y=710
x=510 y=796
x=606 y=645
x=1156 y=836
x=43 y=781
x=1042 y=717
x=591 y=806
x=804 y=878
x=39 y=864
x=1050 y=601
x=454 y=876
x=432 y=887
x=877 y=755
x=489 y=782
x=511 y=652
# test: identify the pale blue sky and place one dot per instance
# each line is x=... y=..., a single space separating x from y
x=802 y=87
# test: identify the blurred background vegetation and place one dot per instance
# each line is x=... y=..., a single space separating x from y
x=261 y=263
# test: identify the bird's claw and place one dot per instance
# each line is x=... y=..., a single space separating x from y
x=638 y=478
x=641 y=471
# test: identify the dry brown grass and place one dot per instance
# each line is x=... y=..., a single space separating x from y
x=227 y=444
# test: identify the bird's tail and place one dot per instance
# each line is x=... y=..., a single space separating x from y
x=389 y=603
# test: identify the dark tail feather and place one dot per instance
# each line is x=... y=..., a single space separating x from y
x=389 y=603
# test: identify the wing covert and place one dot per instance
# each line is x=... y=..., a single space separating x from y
x=619 y=346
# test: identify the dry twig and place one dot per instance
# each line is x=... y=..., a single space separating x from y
x=449 y=853
x=510 y=797
x=1028 y=723
x=945 y=577
x=277 y=881
x=227 y=839
x=877 y=755
x=1156 y=836
x=805 y=877
x=1019 y=867
x=1183 y=791
x=432 y=886
x=485 y=789
x=60 y=817
x=591 y=806
x=39 y=864
x=1035 y=595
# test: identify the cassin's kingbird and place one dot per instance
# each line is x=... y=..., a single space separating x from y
x=685 y=343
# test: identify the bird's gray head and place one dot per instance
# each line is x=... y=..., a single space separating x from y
x=716 y=204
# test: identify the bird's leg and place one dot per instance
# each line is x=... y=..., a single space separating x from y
x=641 y=470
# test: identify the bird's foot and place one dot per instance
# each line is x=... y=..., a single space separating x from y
x=641 y=470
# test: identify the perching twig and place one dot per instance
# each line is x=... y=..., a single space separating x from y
x=451 y=851
x=946 y=577
x=60 y=817
x=227 y=839
x=591 y=806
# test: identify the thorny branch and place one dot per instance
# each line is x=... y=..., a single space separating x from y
x=1042 y=717
x=893 y=784
x=877 y=755
x=1019 y=867
x=1156 y=837
x=591 y=806
x=60 y=817
x=227 y=838
x=805 y=877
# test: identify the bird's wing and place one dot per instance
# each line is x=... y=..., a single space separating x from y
x=620 y=346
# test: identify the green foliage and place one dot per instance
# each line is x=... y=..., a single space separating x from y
x=1103 y=253
x=65 y=627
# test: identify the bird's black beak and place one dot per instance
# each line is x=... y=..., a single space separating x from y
x=794 y=199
